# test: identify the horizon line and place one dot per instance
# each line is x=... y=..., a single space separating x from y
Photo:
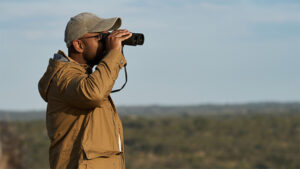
x=175 y=105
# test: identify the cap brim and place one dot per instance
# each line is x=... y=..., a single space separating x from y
x=107 y=25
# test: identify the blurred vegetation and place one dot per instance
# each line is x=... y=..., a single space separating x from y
x=256 y=141
x=226 y=142
x=28 y=141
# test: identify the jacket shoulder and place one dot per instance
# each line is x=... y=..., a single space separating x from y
x=71 y=68
x=68 y=72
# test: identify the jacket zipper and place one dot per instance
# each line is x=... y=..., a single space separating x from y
x=114 y=128
x=121 y=156
x=122 y=160
x=113 y=116
x=122 y=153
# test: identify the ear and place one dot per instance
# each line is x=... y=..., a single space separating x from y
x=78 y=46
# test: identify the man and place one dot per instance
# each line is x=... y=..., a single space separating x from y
x=82 y=122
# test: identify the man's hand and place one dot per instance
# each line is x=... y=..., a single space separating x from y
x=114 y=40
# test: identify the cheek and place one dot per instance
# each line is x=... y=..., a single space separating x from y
x=93 y=51
x=89 y=54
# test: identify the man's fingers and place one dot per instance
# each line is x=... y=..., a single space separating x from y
x=114 y=40
x=124 y=37
x=116 y=32
x=120 y=34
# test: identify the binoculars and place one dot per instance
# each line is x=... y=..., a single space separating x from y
x=135 y=39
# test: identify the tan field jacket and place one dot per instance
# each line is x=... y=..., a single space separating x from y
x=81 y=119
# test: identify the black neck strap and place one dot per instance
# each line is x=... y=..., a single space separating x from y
x=117 y=90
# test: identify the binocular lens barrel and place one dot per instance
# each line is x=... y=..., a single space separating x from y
x=135 y=39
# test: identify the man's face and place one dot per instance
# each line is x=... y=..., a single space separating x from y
x=94 y=50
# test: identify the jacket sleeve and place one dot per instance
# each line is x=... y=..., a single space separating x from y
x=87 y=91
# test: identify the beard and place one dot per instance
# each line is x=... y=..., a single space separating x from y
x=99 y=57
x=100 y=54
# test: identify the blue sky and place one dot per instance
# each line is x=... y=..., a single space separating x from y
x=195 y=51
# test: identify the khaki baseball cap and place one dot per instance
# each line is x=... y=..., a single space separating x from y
x=88 y=23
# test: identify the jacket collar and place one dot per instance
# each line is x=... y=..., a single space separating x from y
x=61 y=56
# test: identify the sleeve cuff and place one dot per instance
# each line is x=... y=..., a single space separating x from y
x=114 y=57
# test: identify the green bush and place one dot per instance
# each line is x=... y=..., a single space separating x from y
x=260 y=141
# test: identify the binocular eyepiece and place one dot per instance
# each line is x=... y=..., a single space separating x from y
x=135 y=39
